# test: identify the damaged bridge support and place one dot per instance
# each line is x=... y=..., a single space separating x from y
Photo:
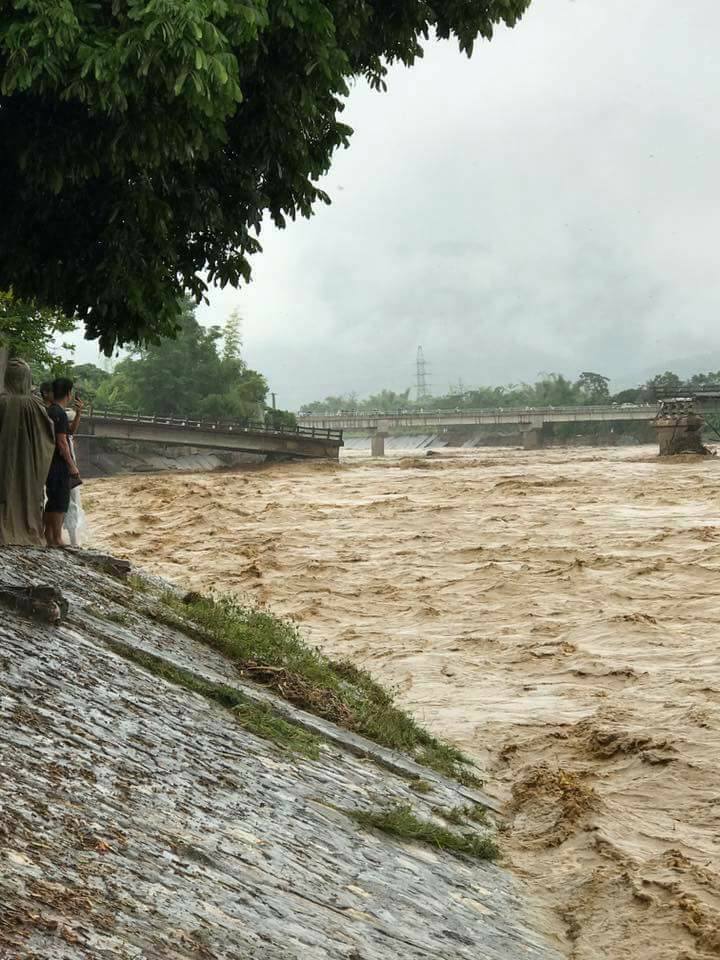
x=680 y=434
x=535 y=433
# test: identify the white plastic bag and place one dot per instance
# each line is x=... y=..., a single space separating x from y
x=75 y=519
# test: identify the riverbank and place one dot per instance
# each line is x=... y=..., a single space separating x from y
x=163 y=795
x=553 y=613
x=100 y=457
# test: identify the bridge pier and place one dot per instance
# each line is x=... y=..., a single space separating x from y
x=377 y=444
x=680 y=434
x=532 y=438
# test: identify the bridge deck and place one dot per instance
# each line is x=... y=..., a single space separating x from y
x=242 y=436
x=530 y=417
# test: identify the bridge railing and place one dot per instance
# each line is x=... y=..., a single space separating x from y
x=220 y=426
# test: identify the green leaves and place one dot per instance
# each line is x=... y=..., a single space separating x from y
x=189 y=375
x=144 y=141
x=30 y=332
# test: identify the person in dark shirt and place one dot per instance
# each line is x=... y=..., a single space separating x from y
x=46 y=392
x=62 y=468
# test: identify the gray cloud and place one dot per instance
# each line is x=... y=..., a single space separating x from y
x=549 y=205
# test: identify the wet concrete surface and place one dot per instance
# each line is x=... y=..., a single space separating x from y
x=138 y=820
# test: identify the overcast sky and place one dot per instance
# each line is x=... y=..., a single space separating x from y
x=551 y=204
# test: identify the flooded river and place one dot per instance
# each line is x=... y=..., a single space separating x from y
x=556 y=613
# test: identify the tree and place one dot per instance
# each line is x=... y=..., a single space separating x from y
x=593 y=387
x=30 y=332
x=631 y=395
x=332 y=404
x=186 y=375
x=552 y=390
x=171 y=376
x=144 y=141
x=664 y=384
x=88 y=378
x=705 y=381
x=388 y=401
x=232 y=336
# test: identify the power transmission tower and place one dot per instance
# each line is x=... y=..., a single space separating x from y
x=421 y=383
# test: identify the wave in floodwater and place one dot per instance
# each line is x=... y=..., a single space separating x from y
x=554 y=612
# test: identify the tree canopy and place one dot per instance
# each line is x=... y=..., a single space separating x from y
x=199 y=372
x=30 y=332
x=143 y=141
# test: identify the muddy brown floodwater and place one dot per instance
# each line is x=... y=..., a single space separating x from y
x=556 y=613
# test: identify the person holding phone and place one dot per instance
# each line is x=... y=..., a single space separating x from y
x=77 y=405
x=63 y=469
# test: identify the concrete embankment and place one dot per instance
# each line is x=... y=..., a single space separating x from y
x=464 y=438
x=436 y=441
x=143 y=817
x=425 y=441
x=103 y=458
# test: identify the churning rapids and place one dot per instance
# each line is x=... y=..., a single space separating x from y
x=556 y=613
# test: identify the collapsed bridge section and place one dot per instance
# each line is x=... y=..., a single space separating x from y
x=243 y=436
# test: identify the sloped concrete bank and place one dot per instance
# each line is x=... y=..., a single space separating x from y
x=458 y=437
x=138 y=820
x=107 y=458
x=417 y=441
x=471 y=438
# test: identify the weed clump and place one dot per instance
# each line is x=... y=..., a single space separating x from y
x=400 y=821
x=420 y=786
x=118 y=616
x=271 y=652
x=258 y=719
x=475 y=813
x=138 y=584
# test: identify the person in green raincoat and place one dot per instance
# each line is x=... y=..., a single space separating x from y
x=26 y=448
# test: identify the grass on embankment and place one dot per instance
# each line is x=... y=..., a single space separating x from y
x=258 y=719
x=271 y=652
x=461 y=815
x=400 y=821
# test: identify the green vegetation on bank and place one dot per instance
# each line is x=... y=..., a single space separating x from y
x=400 y=821
x=550 y=390
x=461 y=815
x=271 y=652
x=200 y=372
x=258 y=719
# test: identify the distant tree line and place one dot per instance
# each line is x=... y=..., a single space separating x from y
x=550 y=390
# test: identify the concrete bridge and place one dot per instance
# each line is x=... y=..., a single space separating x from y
x=530 y=420
x=304 y=441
